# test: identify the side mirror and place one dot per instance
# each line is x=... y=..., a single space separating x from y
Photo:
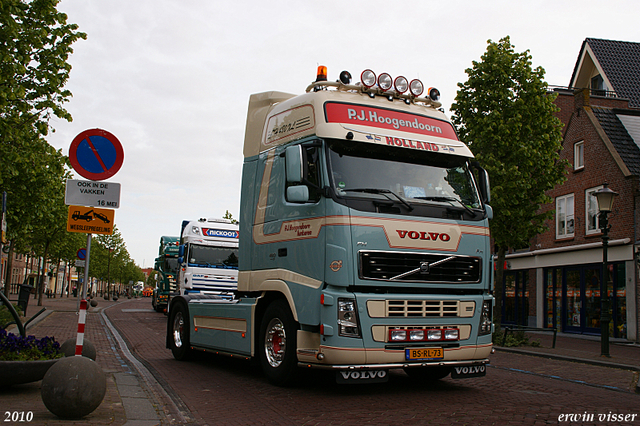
x=483 y=181
x=293 y=163
x=485 y=187
x=298 y=194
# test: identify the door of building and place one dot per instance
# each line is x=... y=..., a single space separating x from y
x=581 y=299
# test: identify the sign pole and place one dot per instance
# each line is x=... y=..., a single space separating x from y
x=83 y=295
x=86 y=268
x=82 y=308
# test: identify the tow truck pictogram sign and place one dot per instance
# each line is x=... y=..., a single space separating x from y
x=90 y=220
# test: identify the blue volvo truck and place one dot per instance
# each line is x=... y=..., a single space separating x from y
x=364 y=240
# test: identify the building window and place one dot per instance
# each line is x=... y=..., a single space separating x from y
x=578 y=156
x=564 y=216
x=591 y=211
x=597 y=86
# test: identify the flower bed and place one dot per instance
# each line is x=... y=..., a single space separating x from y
x=26 y=359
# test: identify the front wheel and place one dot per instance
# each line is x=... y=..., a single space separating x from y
x=278 y=343
x=179 y=339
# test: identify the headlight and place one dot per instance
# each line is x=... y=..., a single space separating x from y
x=485 y=319
x=348 y=318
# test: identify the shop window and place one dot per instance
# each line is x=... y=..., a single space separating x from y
x=516 y=298
x=620 y=302
x=565 y=217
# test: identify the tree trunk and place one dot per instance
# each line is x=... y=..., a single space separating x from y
x=499 y=288
x=7 y=280
x=55 y=287
x=43 y=275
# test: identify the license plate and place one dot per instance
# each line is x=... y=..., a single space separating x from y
x=421 y=354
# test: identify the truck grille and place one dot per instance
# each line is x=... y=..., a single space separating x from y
x=422 y=308
x=395 y=266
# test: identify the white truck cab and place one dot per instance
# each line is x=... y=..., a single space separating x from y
x=208 y=257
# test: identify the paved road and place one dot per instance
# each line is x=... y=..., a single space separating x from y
x=518 y=389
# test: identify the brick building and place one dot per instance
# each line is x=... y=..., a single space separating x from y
x=558 y=281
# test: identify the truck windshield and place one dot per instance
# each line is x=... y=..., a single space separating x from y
x=401 y=177
x=217 y=257
x=171 y=265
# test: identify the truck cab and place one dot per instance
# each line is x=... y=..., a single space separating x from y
x=208 y=257
x=364 y=239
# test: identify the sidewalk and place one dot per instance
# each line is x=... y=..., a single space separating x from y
x=128 y=400
x=580 y=348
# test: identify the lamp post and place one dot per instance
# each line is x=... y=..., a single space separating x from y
x=605 y=198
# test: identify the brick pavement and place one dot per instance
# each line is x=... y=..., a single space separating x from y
x=239 y=379
x=60 y=320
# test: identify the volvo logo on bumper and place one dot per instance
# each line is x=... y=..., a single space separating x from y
x=424 y=267
x=468 y=371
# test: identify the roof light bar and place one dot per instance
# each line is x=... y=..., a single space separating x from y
x=374 y=85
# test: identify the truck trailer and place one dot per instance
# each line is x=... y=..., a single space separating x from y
x=364 y=240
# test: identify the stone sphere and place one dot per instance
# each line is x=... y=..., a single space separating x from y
x=94 y=303
x=73 y=387
x=68 y=348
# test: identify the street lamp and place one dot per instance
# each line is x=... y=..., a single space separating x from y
x=605 y=198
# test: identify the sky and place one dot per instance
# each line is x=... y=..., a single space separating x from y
x=172 y=79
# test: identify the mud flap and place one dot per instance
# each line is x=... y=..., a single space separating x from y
x=467 y=371
x=362 y=376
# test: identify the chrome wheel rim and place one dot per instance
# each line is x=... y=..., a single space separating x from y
x=275 y=342
x=178 y=325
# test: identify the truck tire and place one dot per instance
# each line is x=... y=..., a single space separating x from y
x=179 y=338
x=278 y=344
x=427 y=374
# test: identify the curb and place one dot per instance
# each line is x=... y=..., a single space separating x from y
x=572 y=359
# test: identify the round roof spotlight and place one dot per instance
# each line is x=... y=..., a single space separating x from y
x=401 y=84
x=345 y=77
x=368 y=78
x=434 y=94
x=385 y=81
x=416 y=88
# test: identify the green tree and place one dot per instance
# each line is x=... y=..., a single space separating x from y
x=229 y=216
x=35 y=43
x=506 y=114
x=109 y=256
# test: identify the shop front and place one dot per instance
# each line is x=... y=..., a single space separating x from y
x=568 y=286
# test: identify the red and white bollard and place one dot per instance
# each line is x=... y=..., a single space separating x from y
x=82 y=317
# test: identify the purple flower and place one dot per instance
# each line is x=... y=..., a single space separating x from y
x=18 y=348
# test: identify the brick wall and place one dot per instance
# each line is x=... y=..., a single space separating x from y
x=599 y=167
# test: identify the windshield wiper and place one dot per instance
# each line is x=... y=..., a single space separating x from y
x=443 y=198
x=383 y=192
